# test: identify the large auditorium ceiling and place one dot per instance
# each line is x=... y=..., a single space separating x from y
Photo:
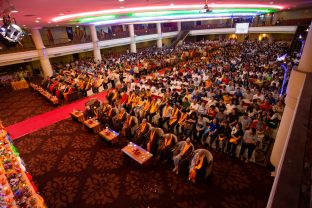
x=39 y=13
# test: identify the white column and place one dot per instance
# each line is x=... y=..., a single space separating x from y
x=95 y=41
x=179 y=24
x=124 y=29
x=159 y=37
x=296 y=82
x=132 y=39
x=42 y=53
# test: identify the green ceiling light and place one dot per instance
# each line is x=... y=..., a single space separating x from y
x=94 y=19
x=158 y=13
x=259 y=10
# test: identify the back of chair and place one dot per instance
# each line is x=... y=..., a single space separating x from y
x=135 y=119
x=159 y=131
x=149 y=126
x=174 y=137
x=208 y=157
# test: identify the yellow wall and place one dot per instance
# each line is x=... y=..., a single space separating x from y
x=294 y=14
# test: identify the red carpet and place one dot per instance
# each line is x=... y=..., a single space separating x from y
x=46 y=119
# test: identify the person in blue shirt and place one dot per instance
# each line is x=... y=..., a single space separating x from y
x=131 y=71
x=214 y=128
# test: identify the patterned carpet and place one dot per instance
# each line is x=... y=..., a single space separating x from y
x=19 y=105
x=73 y=168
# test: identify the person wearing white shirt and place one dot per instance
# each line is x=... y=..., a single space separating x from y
x=229 y=107
x=258 y=96
x=211 y=101
x=194 y=106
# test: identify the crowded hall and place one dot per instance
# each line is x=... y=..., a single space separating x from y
x=135 y=104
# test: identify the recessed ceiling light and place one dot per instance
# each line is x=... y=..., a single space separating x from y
x=213 y=3
x=172 y=4
x=24 y=25
x=1 y=19
x=122 y=7
x=61 y=14
x=77 y=25
x=121 y=0
x=14 y=11
x=38 y=18
x=49 y=22
x=272 y=2
x=37 y=21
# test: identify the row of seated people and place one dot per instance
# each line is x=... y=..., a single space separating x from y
x=165 y=147
x=232 y=133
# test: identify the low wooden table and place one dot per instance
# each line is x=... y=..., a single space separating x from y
x=109 y=135
x=77 y=115
x=93 y=125
x=142 y=156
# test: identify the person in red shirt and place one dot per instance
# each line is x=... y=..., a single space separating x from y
x=265 y=105
x=225 y=80
x=211 y=113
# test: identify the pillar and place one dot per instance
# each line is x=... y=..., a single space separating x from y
x=295 y=85
x=95 y=41
x=132 y=39
x=42 y=53
x=124 y=29
x=159 y=35
x=179 y=25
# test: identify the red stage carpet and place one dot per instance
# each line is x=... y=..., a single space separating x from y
x=46 y=119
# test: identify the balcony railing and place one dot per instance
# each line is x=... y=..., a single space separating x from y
x=124 y=34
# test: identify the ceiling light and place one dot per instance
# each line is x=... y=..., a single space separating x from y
x=14 y=11
x=38 y=18
x=159 y=8
x=122 y=7
x=24 y=25
x=56 y=25
x=121 y=0
x=61 y=14
x=77 y=25
x=272 y=2
x=37 y=21
x=49 y=22
x=172 y=4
